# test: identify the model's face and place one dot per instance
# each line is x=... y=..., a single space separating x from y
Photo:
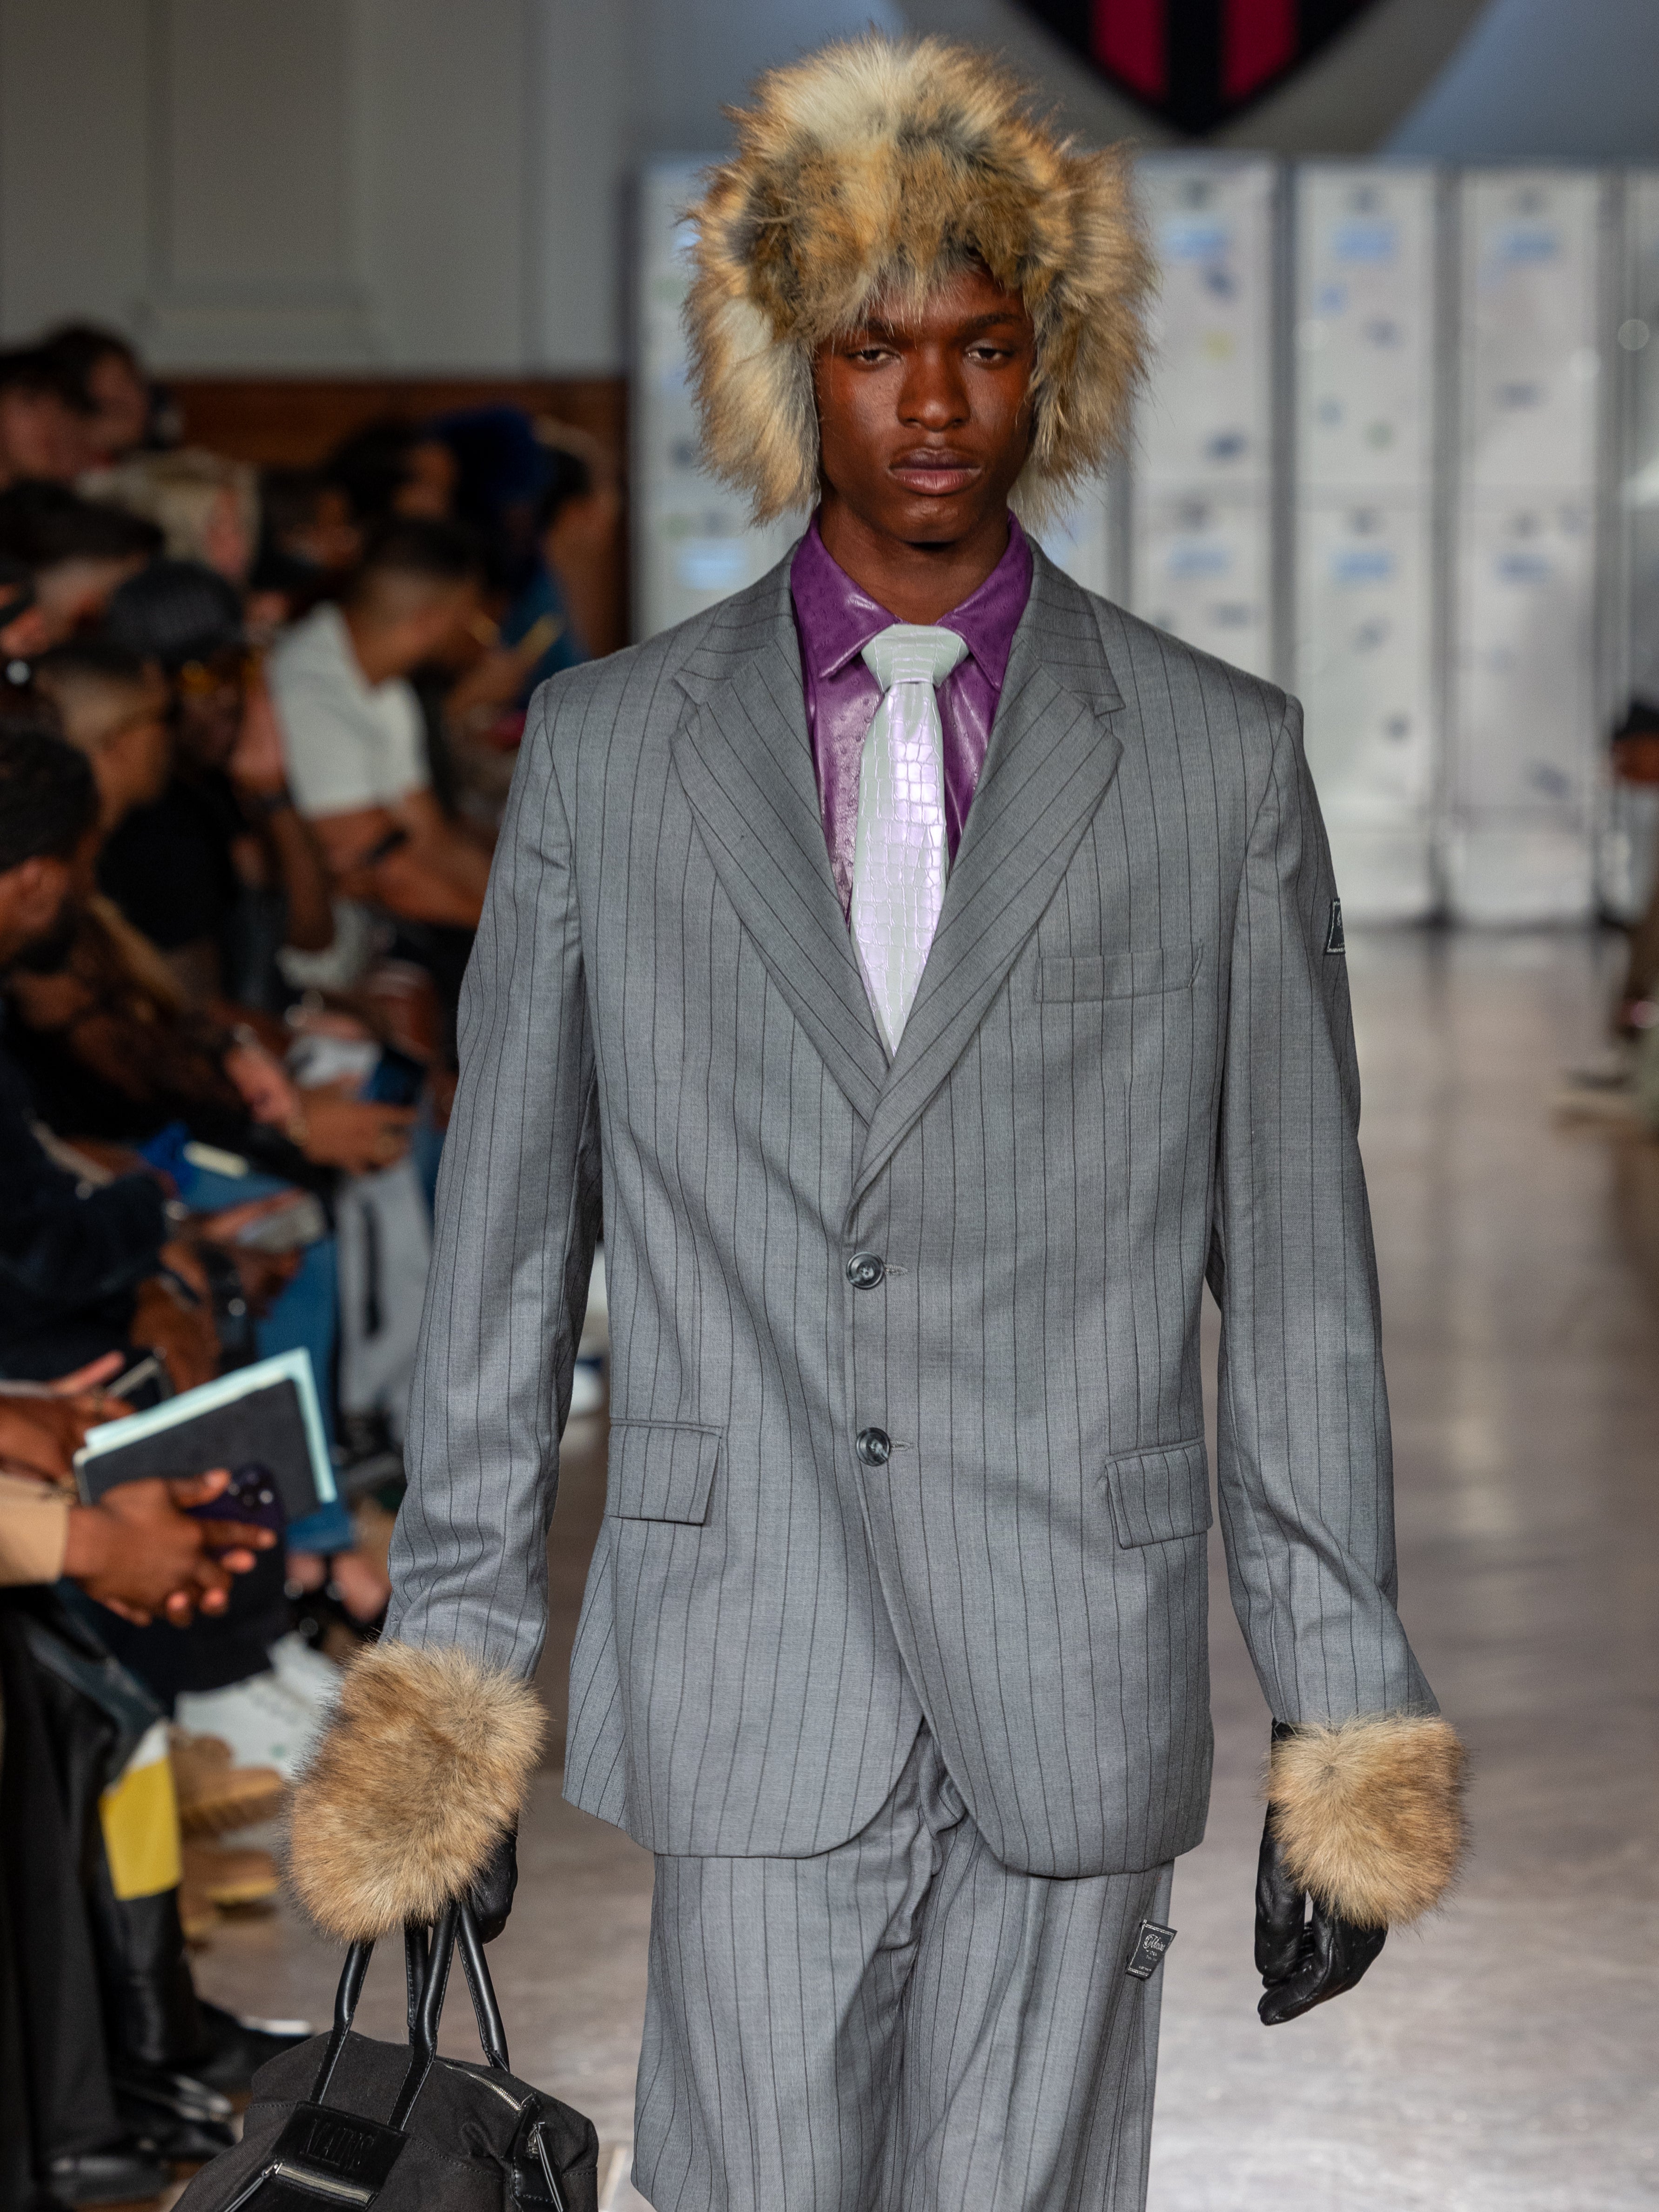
x=923 y=418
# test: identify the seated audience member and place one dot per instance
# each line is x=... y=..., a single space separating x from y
x=206 y=507
x=139 y=1550
x=44 y=421
x=392 y=468
x=112 y=1050
x=307 y=540
x=113 y=707
x=123 y=2064
x=353 y=733
x=79 y=1262
x=1636 y=762
x=576 y=528
x=78 y=552
x=107 y=378
x=306 y=519
x=224 y=836
x=25 y=633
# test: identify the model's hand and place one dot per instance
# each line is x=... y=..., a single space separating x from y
x=491 y=1898
x=1304 y=1953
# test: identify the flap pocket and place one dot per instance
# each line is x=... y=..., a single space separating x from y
x=1159 y=1495
x=1123 y=976
x=661 y=1470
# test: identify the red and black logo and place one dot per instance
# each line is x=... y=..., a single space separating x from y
x=1196 y=63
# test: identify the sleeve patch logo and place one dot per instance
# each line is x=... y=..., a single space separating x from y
x=1151 y=1944
x=1334 y=940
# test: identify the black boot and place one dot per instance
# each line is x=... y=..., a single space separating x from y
x=123 y=2175
x=233 y=2051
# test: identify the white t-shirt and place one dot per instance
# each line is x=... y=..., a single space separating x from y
x=349 y=744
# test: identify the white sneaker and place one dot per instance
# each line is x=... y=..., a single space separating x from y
x=305 y=1675
x=261 y=1720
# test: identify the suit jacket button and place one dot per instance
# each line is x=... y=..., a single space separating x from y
x=875 y=1446
x=865 y=1270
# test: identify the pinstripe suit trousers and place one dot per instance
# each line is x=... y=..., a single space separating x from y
x=899 y=2024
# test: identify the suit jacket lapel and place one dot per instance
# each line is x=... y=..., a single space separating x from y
x=1052 y=756
x=745 y=760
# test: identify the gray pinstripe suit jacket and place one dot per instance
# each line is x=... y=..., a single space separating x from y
x=1129 y=1064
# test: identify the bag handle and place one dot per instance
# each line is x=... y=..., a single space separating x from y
x=345 y=2008
x=423 y=2038
x=427 y=1955
x=417 y=1954
x=482 y=1991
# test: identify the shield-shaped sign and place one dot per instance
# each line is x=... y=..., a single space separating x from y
x=1196 y=62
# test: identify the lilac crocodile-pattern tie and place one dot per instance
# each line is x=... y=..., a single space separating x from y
x=900 y=857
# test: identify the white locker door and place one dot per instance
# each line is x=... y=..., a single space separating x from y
x=1202 y=514
x=1364 y=368
x=1526 y=743
x=693 y=541
x=1079 y=540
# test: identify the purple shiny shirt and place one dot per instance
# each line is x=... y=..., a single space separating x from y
x=836 y=619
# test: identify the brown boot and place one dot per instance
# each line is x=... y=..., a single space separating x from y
x=199 y=1916
x=216 y=1796
x=227 y=1877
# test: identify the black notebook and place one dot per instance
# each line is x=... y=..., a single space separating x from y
x=266 y=1414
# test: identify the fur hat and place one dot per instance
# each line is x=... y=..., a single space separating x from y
x=879 y=167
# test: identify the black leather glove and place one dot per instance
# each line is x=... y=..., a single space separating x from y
x=1304 y=1953
x=491 y=1894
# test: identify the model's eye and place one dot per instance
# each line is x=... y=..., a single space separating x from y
x=990 y=355
x=872 y=353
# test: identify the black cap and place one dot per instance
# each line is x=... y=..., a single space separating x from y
x=176 y=611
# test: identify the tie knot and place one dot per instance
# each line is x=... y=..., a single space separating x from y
x=913 y=653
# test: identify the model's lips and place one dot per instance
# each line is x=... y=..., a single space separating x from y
x=935 y=471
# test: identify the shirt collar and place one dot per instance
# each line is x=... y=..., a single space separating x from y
x=837 y=618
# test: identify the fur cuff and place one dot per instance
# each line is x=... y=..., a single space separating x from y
x=1369 y=1815
x=423 y=1768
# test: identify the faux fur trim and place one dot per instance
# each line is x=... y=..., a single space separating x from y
x=423 y=1767
x=1369 y=1814
x=880 y=167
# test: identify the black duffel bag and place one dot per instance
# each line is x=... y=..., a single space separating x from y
x=344 y=2122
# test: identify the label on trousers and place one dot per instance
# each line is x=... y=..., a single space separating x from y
x=1147 y=1956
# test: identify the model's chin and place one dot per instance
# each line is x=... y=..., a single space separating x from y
x=933 y=519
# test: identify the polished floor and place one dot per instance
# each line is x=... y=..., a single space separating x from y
x=1504 y=2056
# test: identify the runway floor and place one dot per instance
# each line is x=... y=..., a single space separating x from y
x=1505 y=2056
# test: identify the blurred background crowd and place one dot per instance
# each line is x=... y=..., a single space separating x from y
x=256 y=730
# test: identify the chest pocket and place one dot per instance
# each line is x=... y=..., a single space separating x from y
x=1118 y=975
x=661 y=1471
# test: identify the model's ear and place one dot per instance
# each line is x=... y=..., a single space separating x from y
x=1369 y=1815
x=422 y=1769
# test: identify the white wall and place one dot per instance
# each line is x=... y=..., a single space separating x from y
x=434 y=185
